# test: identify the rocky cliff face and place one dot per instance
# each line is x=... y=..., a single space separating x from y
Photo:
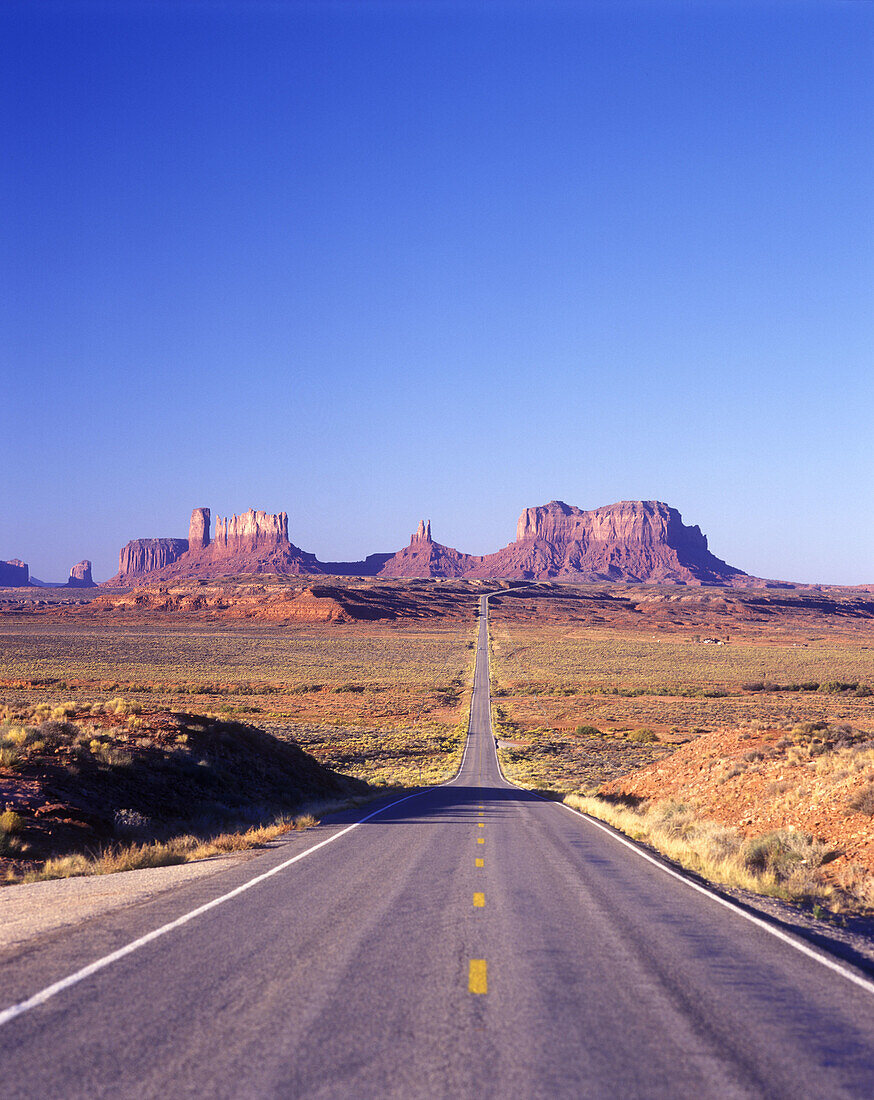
x=142 y=556
x=251 y=531
x=14 y=573
x=198 y=529
x=255 y=542
x=635 y=540
x=425 y=558
x=80 y=575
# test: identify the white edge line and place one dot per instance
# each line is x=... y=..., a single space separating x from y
x=839 y=968
x=100 y=964
x=52 y=990
x=832 y=964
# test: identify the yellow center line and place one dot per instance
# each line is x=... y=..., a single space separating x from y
x=480 y=825
x=477 y=981
x=480 y=840
x=479 y=901
x=480 y=863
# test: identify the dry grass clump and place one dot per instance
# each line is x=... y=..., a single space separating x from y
x=644 y=735
x=781 y=864
x=862 y=800
x=182 y=849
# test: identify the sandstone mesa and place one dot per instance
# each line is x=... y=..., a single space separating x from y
x=638 y=542
x=632 y=542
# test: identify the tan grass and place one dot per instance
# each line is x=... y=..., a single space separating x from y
x=781 y=864
x=181 y=849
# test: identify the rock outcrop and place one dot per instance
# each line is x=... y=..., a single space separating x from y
x=141 y=556
x=255 y=542
x=80 y=575
x=14 y=573
x=198 y=529
x=251 y=531
x=425 y=558
x=637 y=541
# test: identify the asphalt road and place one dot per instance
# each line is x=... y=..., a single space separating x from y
x=473 y=940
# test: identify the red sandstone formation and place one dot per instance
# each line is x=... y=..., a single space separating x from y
x=632 y=541
x=141 y=556
x=424 y=558
x=14 y=573
x=641 y=541
x=255 y=542
x=251 y=531
x=80 y=575
x=198 y=529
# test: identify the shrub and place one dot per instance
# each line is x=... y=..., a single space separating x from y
x=9 y=757
x=835 y=687
x=11 y=822
x=643 y=734
x=863 y=800
x=587 y=731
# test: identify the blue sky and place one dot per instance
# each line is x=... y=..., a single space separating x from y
x=368 y=262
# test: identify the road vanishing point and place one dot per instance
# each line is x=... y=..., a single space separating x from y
x=469 y=940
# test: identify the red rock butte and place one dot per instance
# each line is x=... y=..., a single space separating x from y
x=634 y=541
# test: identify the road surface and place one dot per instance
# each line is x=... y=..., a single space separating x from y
x=472 y=940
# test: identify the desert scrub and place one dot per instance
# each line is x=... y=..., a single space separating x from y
x=182 y=849
x=644 y=735
x=11 y=824
x=862 y=800
x=781 y=864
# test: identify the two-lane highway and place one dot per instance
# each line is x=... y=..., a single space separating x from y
x=470 y=940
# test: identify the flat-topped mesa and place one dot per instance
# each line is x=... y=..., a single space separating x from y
x=649 y=522
x=634 y=540
x=423 y=532
x=250 y=531
x=14 y=573
x=198 y=529
x=143 y=555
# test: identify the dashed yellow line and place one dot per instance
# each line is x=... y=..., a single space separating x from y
x=477 y=980
x=479 y=863
x=480 y=840
x=481 y=824
x=479 y=901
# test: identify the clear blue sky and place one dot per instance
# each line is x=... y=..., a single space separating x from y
x=368 y=262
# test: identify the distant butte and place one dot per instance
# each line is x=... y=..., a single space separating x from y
x=633 y=541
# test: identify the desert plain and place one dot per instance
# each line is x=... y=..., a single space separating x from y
x=732 y=729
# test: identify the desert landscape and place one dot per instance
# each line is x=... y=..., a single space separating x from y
x=748 y=710
x=436 y=586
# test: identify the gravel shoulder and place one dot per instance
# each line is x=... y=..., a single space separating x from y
x=35 y=908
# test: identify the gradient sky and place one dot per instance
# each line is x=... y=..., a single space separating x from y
x=369 y=262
